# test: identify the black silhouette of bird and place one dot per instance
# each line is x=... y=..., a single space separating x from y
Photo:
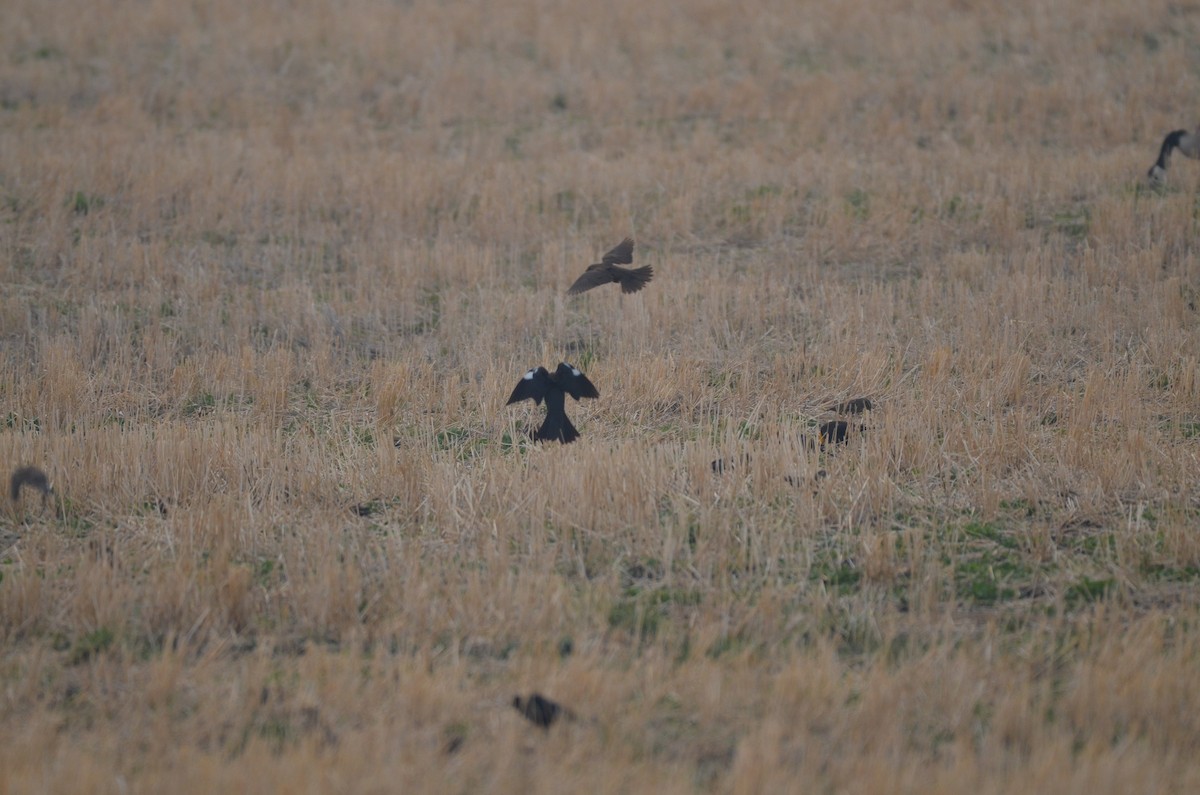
x=32 y=477
x=541 y=711
x=1186 y=142
x=540 y=384
x=835 y=432
x=609 y=270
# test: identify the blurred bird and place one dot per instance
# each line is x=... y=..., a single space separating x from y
x=609 y=270
x=32 y=477
x=1186 y=142
x=540 y=384
x=540 y=710
x=721 y=464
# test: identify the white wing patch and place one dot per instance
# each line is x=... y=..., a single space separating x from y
x=575 y=371
x=528 y=376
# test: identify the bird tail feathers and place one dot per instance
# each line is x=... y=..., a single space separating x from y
x=557 y=428
x=636 y=279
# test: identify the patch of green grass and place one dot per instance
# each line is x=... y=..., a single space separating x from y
x=859 y=203
x=956 y=207
x=1103 y=541
x=519 y=443
x=74 y=522
x=1019 y=505
x=740 y=214
x=264 y=571
x=1088 y=590
x=1165 y=573
x=451 y=438
x=91 y=645
x=989 y=532
x=726 y=644
x=363 y=435
x=989 y=578
x=1074 y=223
x=843 y=577
x=641 y=613
x=720 y=379
x=430 y=302
x=200 y=404
x=1189 y=430
x=218 y=239
x=17 y=422
x=748 y=430
x=585 y=359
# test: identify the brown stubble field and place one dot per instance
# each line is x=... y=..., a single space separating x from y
x=269 y=266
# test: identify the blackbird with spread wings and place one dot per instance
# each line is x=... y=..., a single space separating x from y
x=540 y=384
x=609 y=270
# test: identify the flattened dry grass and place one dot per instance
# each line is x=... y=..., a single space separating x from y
x=272 y=271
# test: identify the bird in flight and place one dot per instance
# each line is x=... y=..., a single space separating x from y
x=609 y=270
x=1186 y=142
x=540 y=384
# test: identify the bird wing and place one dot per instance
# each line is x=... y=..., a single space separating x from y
x=621 y=254
x=532 y=386
x=575 y=383
x=594 y=276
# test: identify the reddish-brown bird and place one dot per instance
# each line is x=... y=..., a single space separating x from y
x=609 y=270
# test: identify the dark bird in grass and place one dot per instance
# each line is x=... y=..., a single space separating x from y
x=32 y=477
x=609 y=270
x=367 y=508
x=1186 y=142
x=541 y=711
x=540 y=384
x=720 y=465
x=855 y=406
x=834 y=432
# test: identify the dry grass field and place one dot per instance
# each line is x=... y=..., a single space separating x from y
x=270 y=271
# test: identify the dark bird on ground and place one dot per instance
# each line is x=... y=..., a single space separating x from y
x=367 y=508
x=855 y=406
x=721 y=464
x=834 y=432
x=540 y=384
x=32 y=477
x=540 y=710
x=1186 y=142
x=609 y=270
